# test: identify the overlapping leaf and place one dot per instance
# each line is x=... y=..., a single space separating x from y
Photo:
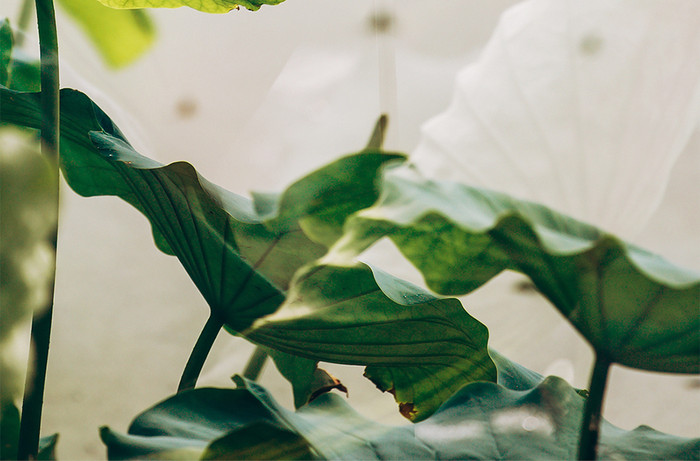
x=208 y=6
x=242 y=255
x=481 y=421
x=634 y=307
x=218 y=236
x=241 y=266
x=416 y=346
x=256 y=258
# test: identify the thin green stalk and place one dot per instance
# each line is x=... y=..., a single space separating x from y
x=199 y=354
x=32 y=405
x=255 y=364
x=590 y=425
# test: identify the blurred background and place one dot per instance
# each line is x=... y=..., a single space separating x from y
x=255 y=100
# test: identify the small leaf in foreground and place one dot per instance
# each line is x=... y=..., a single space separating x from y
x=481 y=421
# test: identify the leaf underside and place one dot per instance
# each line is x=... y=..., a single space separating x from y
x=241 y=255
x=419 y=347
x=634 y=307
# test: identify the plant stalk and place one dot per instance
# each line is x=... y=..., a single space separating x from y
x=32 y=405
x=199 y=354
x=590 y=425
x=255 y=364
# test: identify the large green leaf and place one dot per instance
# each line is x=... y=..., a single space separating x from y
x=121 y=36
x=635 y=308
x=208 y=6
x=28 y=221
x=418 y=347
x=240 y=254
x=217 y=235
x=481 y=421
x=251 y=264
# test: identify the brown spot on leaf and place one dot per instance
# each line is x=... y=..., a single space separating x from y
x=407 y=410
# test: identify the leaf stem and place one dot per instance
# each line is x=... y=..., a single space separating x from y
x=32 y=405
x=590 y=425
x=255 y=364
x=199 y=354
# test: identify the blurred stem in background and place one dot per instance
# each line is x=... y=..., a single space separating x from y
x=32 y=405
x=383 y=24
x=25 y=15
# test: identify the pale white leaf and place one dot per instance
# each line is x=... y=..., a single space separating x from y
x=582 y=106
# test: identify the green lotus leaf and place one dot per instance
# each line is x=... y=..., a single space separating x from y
x=418 y=347
x=634 y=307
x=240 y=254
x=481 y=421
x=17 y=70
x=121 y=36
x=208 y=6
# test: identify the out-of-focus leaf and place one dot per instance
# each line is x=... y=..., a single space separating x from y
x=6 y=43
x=481 y=421
x=635 y=308
x=208 y=6
x=28 y=220
x=9 y=427
x=581 y=106
x=17 y=71
x=418 y=347
x=121 y=36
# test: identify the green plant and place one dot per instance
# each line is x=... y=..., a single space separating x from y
x=281 y=270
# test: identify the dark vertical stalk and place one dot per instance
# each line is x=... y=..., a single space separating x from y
x=255 y=364
x=590 y=425
x=32 y=405
x=199 y=354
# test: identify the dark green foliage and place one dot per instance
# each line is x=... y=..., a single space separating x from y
x=481 y=421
